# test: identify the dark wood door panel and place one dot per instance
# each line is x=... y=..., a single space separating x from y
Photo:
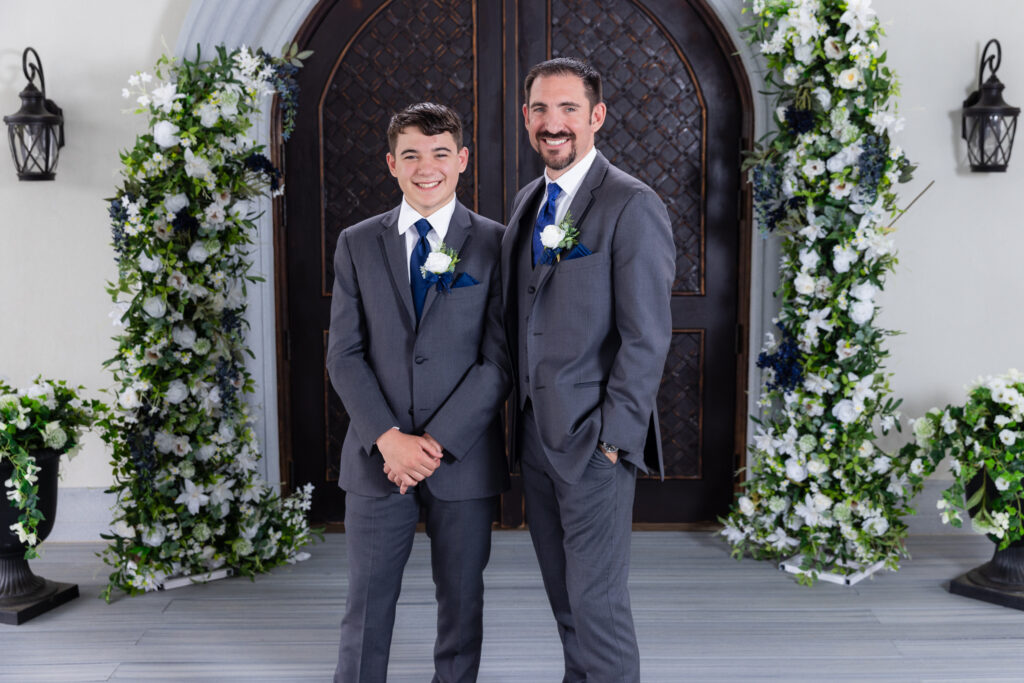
x=675 y=121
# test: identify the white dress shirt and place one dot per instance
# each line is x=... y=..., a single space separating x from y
x=569 y=182
x=438 y=220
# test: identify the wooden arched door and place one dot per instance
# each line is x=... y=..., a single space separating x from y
x=678 y=118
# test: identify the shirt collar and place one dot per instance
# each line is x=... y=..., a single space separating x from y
x=438 y=220
x=571 y=179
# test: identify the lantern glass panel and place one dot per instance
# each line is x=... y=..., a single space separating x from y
x=34 y=148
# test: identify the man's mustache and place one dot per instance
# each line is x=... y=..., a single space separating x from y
x=549 y=134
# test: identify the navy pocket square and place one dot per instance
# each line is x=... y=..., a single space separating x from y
x=577 y=251
x=464 y=280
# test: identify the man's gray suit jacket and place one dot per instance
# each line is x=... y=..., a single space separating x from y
x=447 y=376
x=589 y=335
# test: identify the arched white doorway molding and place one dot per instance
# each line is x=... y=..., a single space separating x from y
x=272 y=24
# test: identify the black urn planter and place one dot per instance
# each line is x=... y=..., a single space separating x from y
x=1001 y=579
x=23 y=595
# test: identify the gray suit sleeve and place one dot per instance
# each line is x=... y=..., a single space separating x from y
x=351 y=375
x=477 y=399
x=643 y=262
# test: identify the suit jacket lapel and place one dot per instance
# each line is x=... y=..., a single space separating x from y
x=457 y=236
x=581 y=203
x=518 y=226
x=392 y=246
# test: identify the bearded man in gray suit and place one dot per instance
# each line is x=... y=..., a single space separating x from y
x=417 y=356
x=587 y=268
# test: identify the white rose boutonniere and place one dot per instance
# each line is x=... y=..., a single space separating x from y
x=439 y=267
x=559 y=239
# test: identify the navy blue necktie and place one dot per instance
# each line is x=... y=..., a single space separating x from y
x=546 y=218
x=418 y=258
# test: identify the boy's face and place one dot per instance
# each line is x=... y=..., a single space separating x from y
x=427 y=168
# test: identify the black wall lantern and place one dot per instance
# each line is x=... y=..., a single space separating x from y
x=989 y=123
x=36 y=130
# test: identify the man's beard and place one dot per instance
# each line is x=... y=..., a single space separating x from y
x=557 y=163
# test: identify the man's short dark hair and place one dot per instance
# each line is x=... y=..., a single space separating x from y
x=567 y=66
x=429 y=118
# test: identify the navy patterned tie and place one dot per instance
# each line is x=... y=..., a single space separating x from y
x=546 y=218
x=418 y=258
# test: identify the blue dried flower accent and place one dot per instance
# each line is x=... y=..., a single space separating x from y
x=260 y=164
x=184 y=222
x=799 y=120
x=786 y=362
x=231 y=321
x=118 y=217
x=872 y=165
x=226 y=375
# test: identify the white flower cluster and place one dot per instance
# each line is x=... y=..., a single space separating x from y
x=186 y=454
x=818 y=485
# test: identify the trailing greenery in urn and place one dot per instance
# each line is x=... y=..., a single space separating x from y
x=189 y=499
x=824 y=185
x=48 y=414
x=984 y=439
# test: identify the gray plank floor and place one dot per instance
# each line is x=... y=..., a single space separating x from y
x=700 y=616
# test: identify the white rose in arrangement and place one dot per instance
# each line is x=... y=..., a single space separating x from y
x=177 y=391
x=876 y=526
x=842 y=258
x=148 y=264
x=796 y=470
x=865 y=291
x=1002 y=484
x=129 y=399
x=205 y=452
x=746 y=506
x=165 y=134
x=1007 y=437
x=551 y=236
x=821 y=502
x=198 y=252
x=917 y=466
x=437 y=262
x=849 y=79
x=123 y=529
x=155 y=535
x=804 y=53
x=804 y=283
x=154 y=306
x=175 y=203
x=184 y=336
x=816 y=467
x=209 y=114
x=845 y=411
x=791 y=75
x=861 y=311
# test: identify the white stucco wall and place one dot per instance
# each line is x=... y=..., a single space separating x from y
x=958 y=246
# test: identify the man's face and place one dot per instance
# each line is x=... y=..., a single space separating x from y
x=560 y=121
x=427 y=168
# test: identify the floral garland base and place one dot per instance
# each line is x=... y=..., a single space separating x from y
x=189 y=499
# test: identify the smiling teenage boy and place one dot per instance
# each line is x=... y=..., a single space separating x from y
x=416 y=355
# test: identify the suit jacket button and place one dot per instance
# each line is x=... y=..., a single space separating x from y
x=420 y=360
x=531 y=289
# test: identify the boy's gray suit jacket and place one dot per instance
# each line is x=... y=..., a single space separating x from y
x=447 y=376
